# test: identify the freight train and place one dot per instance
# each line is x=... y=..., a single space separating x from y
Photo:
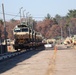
x=25 y=37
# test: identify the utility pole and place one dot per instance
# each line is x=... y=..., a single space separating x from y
x=61 y=31
x=69 y=29
x=4 y=27
x=0 y=42
x=24 y=14
x=27 y=18
x=32 y=33
x=69 y=32
x=20 y=14
x=61 y=34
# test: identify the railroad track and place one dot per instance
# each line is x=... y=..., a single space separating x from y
x=12 y=54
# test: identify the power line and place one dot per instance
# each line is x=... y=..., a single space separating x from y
x=10 y=14
x=18 y=15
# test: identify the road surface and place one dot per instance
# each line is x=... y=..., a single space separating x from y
x=54 y=61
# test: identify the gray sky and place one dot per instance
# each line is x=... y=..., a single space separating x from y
x=37 y=8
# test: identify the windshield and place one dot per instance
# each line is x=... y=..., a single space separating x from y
x=17 y=30
x=21 y=30
x=24 y=30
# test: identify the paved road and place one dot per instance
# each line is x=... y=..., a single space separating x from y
x=58 y=61
x=31 y=63
x=65 y=63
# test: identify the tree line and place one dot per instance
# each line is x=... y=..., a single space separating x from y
x=50 y=27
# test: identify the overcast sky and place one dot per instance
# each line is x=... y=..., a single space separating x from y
x=37 y=8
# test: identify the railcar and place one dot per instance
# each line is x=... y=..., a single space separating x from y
x=25 y=37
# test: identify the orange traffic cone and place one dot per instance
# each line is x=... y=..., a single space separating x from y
x=55 y=48
x=9 y=48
